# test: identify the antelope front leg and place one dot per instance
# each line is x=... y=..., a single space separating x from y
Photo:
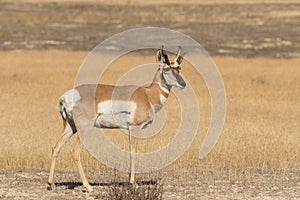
x=76 y=156
x=55 y=151
x=133 y=131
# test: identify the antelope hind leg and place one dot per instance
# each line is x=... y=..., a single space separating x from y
x=67 y=134
x=76 y=156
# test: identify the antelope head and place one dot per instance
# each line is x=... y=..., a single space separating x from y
x=170 y=71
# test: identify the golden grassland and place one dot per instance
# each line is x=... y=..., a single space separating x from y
x=262 y=122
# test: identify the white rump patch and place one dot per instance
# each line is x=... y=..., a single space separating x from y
x=70 y=99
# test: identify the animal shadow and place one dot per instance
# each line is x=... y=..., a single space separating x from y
x=73 y=185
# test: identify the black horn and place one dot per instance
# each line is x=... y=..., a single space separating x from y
x=167 y=61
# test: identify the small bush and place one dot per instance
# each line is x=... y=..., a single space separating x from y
x=149 y=187
x=135 y=192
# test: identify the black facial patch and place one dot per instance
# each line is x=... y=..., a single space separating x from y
x=179 y=78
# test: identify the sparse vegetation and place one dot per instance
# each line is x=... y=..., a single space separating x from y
x=135 y=192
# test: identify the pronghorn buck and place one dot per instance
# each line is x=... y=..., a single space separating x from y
x=132 y=114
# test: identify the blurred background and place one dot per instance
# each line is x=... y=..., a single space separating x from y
x=247 y=28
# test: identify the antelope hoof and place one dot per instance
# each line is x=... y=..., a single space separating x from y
x=52 y=186
x=134 y=184
x=131 y=180
x=88 y=188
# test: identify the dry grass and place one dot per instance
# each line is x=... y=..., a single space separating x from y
x=131 y=192
x=261 y=130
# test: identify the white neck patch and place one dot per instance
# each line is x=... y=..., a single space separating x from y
x=162 y=99
x=163 y=88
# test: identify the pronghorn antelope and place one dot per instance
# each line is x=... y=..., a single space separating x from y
x=132 y=114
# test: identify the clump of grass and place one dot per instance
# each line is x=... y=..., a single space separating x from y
x=143 y=190
x=135 y=192
x=132 y=192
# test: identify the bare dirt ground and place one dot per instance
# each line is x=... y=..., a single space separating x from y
x=31 y=184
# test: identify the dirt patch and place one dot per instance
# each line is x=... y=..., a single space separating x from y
x=248 y=185
x=33 y=185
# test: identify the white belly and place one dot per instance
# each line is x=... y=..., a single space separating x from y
x=115 y=114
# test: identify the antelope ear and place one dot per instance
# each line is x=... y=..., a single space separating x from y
x=166 y=58
x=178 y=59
x=160 y=59
x=159 y=56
